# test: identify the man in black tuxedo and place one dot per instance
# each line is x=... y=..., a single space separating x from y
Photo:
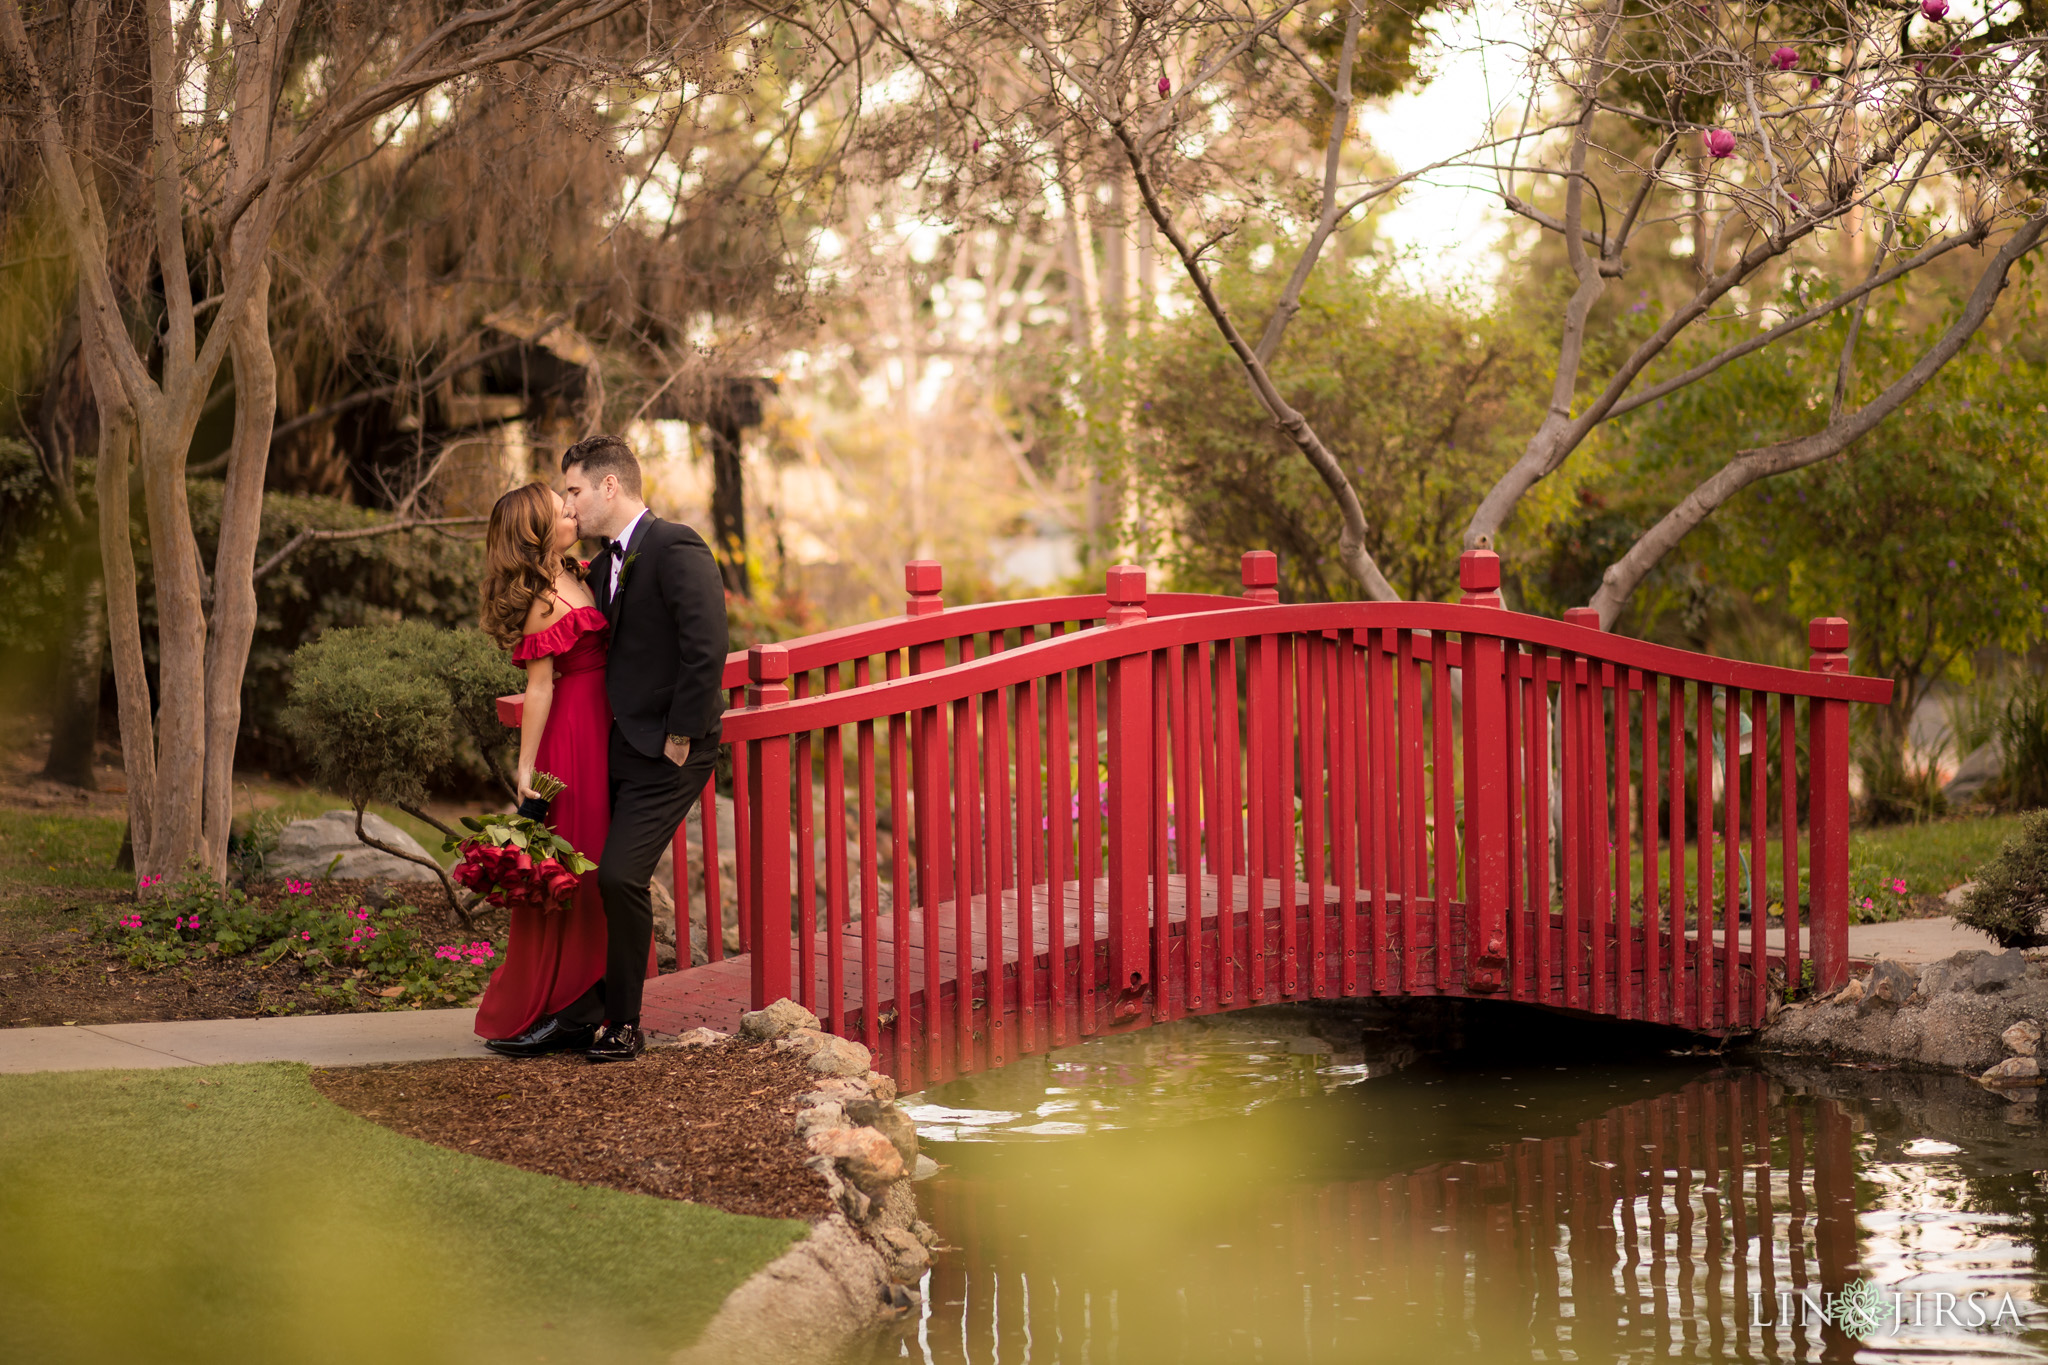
x=658 y=585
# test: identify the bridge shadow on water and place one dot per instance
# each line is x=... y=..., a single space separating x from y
x=1310 y=1183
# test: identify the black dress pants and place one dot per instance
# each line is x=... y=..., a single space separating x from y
x=650 y=798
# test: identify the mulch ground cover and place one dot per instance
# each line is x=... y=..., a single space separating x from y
x=63 y=975
x=711 y=1125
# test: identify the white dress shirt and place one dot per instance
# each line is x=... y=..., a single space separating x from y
x=624 y=538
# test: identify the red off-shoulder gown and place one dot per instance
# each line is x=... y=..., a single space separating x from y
x=552 y=957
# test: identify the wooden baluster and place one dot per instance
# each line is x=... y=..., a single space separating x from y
x=1758 y=883
x=870 y=872
x=1656 y=1000
x=679 y=882
x=1486 y=788
x=806 y=866
x=1167 y=991
x=1233 y=957
x=1262 y=782
x=1571 y=724
x=905 y=1039
x=964 y=791
x=1703 y=802
x=1059 y=851
x=1027 y=699
x=1130 y=793
x=766 y=911
x=836 y=888
x=1408 y=813
x=1540 y=769
x=1519 y=984
x=1379 y=777
x=1684 y=955
x=1314 y=783
x=714 y=893
x=1444 y=806
x=1731 y=857
x=742 y=765
x=1627 y=682
x=996 y=874
x=1288 y=650
x=1093 y=794
x=1344 y=820
x=1197 y=795
x=1828 y=808
x=1788 y=833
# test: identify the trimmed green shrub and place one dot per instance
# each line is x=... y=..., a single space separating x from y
x=2012 y=889
x=381 y=711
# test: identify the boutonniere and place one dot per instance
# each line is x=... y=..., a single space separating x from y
x=626 y=568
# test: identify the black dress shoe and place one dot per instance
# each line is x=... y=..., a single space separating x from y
x=617 y=1043
x=549 y=1035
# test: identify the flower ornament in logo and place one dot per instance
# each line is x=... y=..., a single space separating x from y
x=1860 y=1309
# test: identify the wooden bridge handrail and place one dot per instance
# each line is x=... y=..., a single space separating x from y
x=927 y=620
x=1102 y=644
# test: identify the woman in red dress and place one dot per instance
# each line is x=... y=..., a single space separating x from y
x=536 y=605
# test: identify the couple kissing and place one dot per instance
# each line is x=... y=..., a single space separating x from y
x=624 y=661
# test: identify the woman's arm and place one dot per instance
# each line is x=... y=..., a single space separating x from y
x=540 y=696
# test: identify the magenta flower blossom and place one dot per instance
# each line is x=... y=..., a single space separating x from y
x=1785 y=58
x=1813 y=84
x=1720 y=143
x=1868 y=903
x=152 y=880
x=1898 y=886
x=1166 y=86
x=1934 y=9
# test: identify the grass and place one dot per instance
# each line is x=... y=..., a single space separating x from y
x=1930 y=858
x=232 y=1213
x=42 y=849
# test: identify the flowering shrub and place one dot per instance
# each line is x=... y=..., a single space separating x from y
x=1876 y=895
x=363 y=952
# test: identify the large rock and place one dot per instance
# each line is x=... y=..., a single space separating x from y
x=1954 y=1021
x=2014 y=1071
x=825 y=1053
x=1994 y=971
x=2024 y=1038
x=1978 y=770
x=863 y=1156
x=891 y=1122
x=1890 y=984
x=326 y=846
x=777 y=1020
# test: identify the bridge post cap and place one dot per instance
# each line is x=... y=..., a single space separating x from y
x=767 y=663
x=1124 y=585
x=1827 y=632
x=1259 y=569
x=924 y=575
x=1582 y=616
x=1479 y=571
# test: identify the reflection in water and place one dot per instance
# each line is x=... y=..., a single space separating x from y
x=1231 y=1191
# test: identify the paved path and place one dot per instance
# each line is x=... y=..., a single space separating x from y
x=321 y=1039
x=1915 y=942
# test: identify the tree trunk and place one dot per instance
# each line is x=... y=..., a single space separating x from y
x=234 y=563
x=117 y=560
x=728 y=498
x=75 y=723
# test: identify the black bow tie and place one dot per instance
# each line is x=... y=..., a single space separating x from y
x=610 y=550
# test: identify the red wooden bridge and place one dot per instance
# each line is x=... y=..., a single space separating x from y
x=968 y=834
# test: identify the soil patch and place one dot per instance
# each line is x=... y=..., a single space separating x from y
x=711 y=1125
x=56 y=972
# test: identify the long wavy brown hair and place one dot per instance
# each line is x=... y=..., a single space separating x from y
x=518 y=564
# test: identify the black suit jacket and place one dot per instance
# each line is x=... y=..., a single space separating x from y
x=668 y=645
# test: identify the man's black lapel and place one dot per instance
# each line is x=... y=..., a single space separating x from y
x=610 y=604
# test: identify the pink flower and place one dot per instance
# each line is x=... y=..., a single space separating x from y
x=1720 y=143
x=1868 y=903
x=306 y=934
x=1166 y=86
x=1934 y=9
x=1785 y=58
x=1813 y=84
x=1898 y=886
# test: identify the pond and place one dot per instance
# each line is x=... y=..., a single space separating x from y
x=1295 y=1185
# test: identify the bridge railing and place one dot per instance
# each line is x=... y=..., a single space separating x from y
x=927 y=636
x=1162 y=816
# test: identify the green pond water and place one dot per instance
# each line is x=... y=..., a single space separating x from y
x=1299 y=1185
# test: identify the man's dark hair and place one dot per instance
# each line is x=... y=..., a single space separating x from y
x=602 y=455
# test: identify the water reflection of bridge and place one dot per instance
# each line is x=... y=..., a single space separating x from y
x=1641 y=1232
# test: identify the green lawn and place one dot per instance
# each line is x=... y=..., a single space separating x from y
x=1930 y=858
x=233 y=1214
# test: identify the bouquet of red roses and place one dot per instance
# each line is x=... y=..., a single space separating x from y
x=516 y=861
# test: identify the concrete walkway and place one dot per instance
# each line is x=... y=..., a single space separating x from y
x=320 y=1039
